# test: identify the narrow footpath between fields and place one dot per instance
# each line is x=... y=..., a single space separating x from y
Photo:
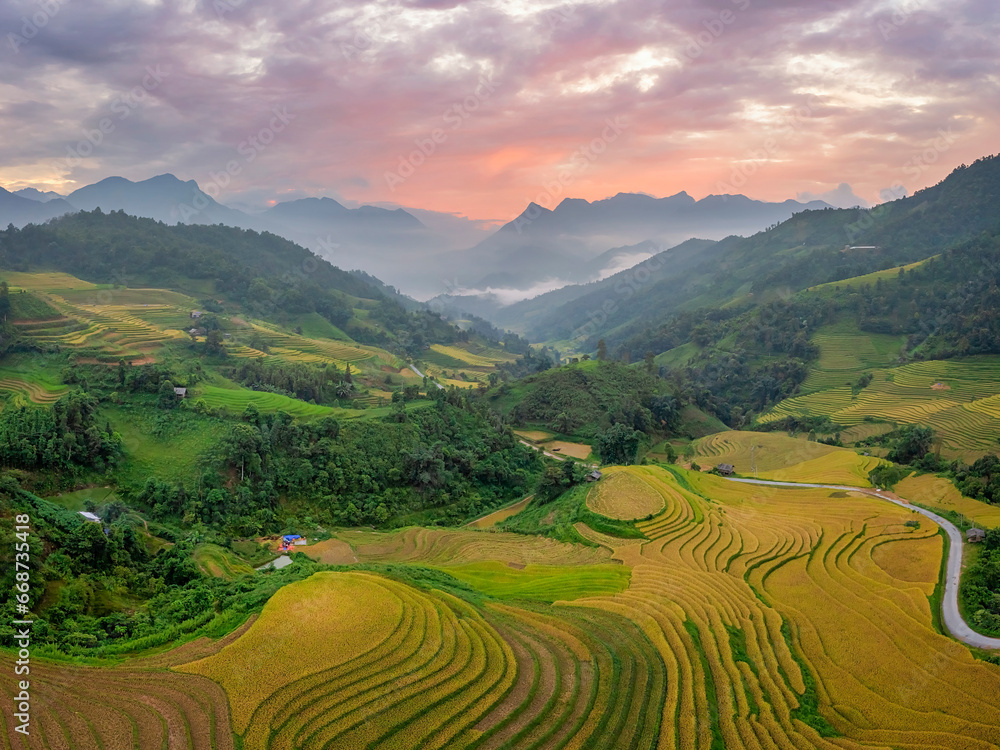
x=949 y=606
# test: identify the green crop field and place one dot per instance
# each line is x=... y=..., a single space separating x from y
x=219 y=562
x=847 y=354
x=237 y=399
x=957 y=398
x=153 y=448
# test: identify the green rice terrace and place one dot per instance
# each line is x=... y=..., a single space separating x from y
x=959 y=398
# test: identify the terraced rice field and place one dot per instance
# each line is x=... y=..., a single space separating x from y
x=446 y=547
x=546 y=583
x=142 y=706
x=219 y=562
x=44 y=281
x=108 y=324
x=846 y=355
x=398 y=667
x=622 y=495
x=751 y=617
x=40 y=393
x=299 y=348
x=957 y=398
x=492 y=519
x=783 y=458
x=941 y=495
x=456 y=356
x=236 y=400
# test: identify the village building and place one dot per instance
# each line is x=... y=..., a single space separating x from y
x=975 y=535
x=725 y=469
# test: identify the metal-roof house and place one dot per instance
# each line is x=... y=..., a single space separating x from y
x=725 y=469
x=594 y=476
x=975 y=535
x=182 y=392
x=88 y=516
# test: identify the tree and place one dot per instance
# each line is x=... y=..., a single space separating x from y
x=913 y=443
x=166 y=395
x=213 y=343
x=602 y=351
x=666 y=411
x=242 y=448
x=618 y=445
x=563 y=423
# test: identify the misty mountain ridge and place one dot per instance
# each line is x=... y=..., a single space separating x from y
x=33 y=194
x=539 y=251
x=564 y=243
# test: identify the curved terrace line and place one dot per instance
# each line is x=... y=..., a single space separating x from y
x=957 y=626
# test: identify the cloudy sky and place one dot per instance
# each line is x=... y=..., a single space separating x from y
x=479 y=107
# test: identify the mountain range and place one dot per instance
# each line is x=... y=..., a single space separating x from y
x=577 y=242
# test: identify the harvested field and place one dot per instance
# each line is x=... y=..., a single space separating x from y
x=457 y=546
x=535 y=436
x=581 y=451
x=330 y=552
x=139 y=706
x=625 y=496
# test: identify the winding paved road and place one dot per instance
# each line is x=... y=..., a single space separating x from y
x=440 y=387
x=949 y=606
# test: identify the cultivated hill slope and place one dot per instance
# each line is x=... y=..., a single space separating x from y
x=265 y=275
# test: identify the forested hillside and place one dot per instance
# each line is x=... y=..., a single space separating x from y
x=813 y=247
x=261 y=273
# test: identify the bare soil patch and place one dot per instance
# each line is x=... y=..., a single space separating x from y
x=330 y=552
